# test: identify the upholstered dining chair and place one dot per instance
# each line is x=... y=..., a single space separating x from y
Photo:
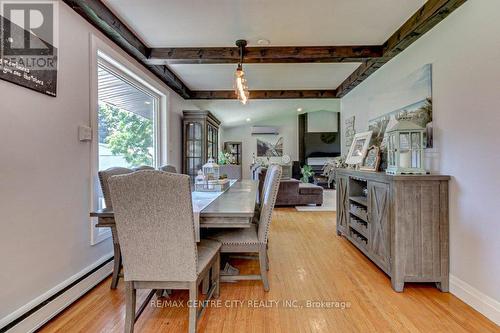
x=143 y=167
x=154 y=219
x=104 y=176
x=258 y=206
x=168 y=168
x=255 y=238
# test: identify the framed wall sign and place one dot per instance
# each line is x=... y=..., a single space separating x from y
x=28 y=57
x=372 y=159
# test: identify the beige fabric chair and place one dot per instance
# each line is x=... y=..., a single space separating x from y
x=104 y=176
x=143 y=167
x=258 y=206
x=168 y=168
x=154 y=220
x=103 y=179
x=254 y=239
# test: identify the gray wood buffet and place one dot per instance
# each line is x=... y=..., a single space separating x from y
x=399 y=222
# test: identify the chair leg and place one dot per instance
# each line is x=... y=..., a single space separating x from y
x=193 y=297
x=205 y=285
x=117 y=266
x=263 y=270
x=267 y=255
x=267 y=260
x=216 y=276
x=130 y=297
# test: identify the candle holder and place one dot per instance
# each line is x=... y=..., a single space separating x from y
x=405 y=149
x=211 y=170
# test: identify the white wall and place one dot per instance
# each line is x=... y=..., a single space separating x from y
x=45 y=171
x=287 y=124
x=464 y=50
x=288 y=128
x=176 y=106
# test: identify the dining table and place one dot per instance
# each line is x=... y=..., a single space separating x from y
x=233 y=208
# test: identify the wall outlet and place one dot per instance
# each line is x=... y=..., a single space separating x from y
x=84 y=133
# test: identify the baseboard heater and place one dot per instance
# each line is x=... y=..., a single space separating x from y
x=38 y=312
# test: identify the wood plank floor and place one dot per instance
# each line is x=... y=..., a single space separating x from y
x=308 y=262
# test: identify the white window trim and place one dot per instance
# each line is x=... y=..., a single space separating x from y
x=99 y=49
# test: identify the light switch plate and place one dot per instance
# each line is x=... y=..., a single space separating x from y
x=84 y=133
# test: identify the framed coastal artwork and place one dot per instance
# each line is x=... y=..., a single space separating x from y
x=413 y=97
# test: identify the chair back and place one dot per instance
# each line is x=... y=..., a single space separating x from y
x=268 y=200
x=104 y=176
x=154 y=219
x=143 y=167
x=168 y=168
x=265 y=184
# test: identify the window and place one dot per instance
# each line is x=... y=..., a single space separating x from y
x=125 y=122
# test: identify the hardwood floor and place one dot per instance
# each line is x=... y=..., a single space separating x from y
x=308 y=261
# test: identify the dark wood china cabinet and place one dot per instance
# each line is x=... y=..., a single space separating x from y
x=200 y=136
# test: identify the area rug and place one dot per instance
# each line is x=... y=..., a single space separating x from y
x=329 y=203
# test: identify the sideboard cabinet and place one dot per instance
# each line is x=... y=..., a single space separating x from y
x=399 y=222
x=200 y=133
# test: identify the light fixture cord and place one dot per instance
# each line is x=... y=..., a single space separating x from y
x=241 y=56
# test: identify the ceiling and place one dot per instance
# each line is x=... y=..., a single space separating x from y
x=117 y=92
x=265 y=76
x=191 y=23
x=219 y=23
x=233 y=113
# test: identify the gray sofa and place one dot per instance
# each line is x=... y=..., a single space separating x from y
x=293 y=192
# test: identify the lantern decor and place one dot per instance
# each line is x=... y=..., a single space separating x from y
x=200 y=179
x=208 y=179
x=405 y=149
x=211 y=170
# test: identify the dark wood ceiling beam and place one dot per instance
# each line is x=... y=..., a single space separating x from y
x=97 y=14
x=359 y=75
x=264 y=94
x=372 y=57
x=428 y=16
x=274 y=54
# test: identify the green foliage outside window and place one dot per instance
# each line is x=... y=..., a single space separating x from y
x=126 y=134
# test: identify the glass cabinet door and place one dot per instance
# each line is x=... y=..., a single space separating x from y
x=216 y=143
x=212 y=142
x=200 y=140
x=193 y=149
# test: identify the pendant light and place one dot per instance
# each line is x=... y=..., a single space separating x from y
x=240 y=83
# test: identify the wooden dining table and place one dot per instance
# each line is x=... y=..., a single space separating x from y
x=233 y=208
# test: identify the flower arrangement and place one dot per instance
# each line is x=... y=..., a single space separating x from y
x=225 y=158
x=306 y=172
